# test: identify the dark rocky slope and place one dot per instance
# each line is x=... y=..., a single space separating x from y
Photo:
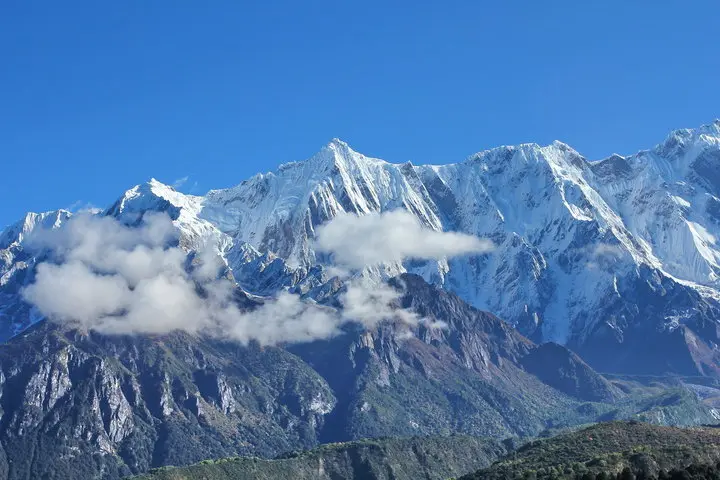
x=82 y=405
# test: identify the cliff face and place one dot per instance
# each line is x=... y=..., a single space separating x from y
x=78 y=404
x=95 y=407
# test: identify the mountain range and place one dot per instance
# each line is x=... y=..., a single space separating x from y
x=604 y=266
x=617 y=255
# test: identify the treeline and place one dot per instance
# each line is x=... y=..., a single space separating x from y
x=692 y=472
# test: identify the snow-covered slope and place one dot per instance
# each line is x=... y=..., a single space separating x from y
x=668 y=198
x=614 y=257
x=16 y=269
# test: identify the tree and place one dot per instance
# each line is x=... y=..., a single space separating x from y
x=627 y=474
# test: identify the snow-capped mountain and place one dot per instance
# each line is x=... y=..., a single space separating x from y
x=617 y=258
x=16 y=269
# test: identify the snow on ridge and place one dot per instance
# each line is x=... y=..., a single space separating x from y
x=17 y=232
x=541 y=203
x=568 y=230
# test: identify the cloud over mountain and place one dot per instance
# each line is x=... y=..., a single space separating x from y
x=360 y=241
x=117 y=279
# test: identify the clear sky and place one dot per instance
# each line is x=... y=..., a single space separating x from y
x=96 y=96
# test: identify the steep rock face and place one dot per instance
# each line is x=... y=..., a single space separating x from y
x=477 y=376
x=562 y=369
x=279 y=211
x=80 y=404
x=105 y=407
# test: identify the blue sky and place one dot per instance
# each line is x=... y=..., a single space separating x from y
x=98 y=96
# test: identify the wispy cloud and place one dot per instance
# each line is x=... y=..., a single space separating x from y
x=180 y=182
x=605 y=256
x=81 y=206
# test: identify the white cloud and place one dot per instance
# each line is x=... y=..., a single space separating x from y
x=81 y=207
x=106 y=276
x=604 y=256
x=121 y=280
x=180 y=182
x=368 y=302
x=72 y=292
x=608 y=251
x=360 y=241
x=286 y=318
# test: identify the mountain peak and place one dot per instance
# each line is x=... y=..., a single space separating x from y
x=154 y=183
x=562 y=146
x=152 y=195
x=337 y=149
x=678 y=141
x=156 y=188
x=338 y=155
x=337 y=143
x=20 y=229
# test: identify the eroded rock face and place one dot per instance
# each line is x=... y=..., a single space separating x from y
x=465 y=376
x=125 y=404
x=559 y=367
x=94 y=406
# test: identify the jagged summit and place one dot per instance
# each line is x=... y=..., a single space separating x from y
x=566 y=228
x=617 y=259
x=678 y=141
x=586 y=252
x=338 y=155
x=562 y=145
x=336 y=142
x=19 y=230
x=150 y=194
x=710 y=129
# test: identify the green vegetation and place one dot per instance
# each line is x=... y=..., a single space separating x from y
x=611 y=450
x=396 y=458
